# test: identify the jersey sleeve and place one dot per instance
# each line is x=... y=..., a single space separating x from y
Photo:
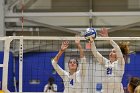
x=59 y=70
x=120 y=68
x=83 y=67
x=105 y=61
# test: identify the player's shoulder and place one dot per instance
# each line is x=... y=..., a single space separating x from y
x=115 y=62
x=66 y=73
x=77 y=73
x=106 y=61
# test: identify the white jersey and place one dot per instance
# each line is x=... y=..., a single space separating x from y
x=72 y=83
x=112 y=77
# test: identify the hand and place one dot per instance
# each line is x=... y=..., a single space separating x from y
x=103 y=32
x=64 y=45
x=91 y=40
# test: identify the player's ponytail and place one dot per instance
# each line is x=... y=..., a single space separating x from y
x=124 y=49
x=134 y=82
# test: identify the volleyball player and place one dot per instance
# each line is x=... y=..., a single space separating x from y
x=137 y=90
x=133 y=83
x=113 y=67
x=74 y=78
x=51 y=86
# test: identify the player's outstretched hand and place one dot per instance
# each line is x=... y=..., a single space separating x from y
x=91 y=40
x=103 y=32
x=64 y=45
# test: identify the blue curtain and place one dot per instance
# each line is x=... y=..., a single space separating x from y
x=132 y=69
x=38 y=68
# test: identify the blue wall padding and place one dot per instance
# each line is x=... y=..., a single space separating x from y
x=1 y=61
x=37 y=66
x=10 y=71
x=0 y=78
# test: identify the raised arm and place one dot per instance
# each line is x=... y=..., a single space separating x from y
x=120 y=57
x=104 y=33
x=59 y=70
x=82 y=55
x=64 y=46
x=96 y=54
x=82 y=58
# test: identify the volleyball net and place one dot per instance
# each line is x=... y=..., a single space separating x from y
x=27 y=63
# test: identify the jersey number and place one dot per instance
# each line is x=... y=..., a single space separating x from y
x=109 y=71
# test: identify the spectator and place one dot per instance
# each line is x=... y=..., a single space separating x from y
x=50 y=87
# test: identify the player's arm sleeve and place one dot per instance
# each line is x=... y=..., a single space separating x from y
x=119 y=54
x=105 y=61
x=96 y=54
x=83 y=67
x=58 y=69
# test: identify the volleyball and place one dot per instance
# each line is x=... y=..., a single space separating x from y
x=90 y=32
